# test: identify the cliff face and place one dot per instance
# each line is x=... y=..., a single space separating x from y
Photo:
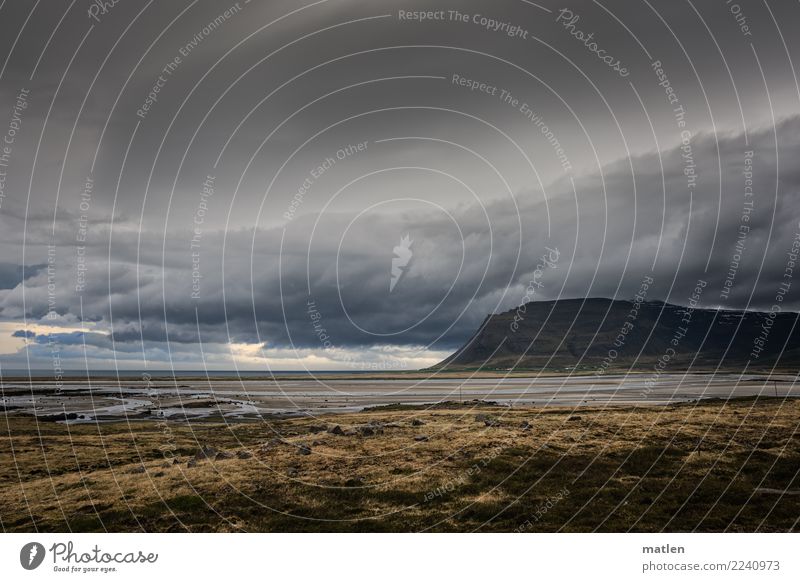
x=605 y=334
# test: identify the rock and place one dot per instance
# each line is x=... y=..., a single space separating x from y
x=367 y=431
x=244 y=455
x=350 y=432
x=574 y=418
x=58 y=417
x=272 y=443
x=159 y=474
x=166 y=465
x=491 y=422
x=417 y=422
x=140 y=469
x=176 y=461
x=421 y=438
x=206 y=453
x=482 y=417
x=392 y=425
x=317 y=443
x=292 y=471
x=314 y=429
x=304 y=450
x=192 y=463
x=336 y=430
x=526 y=425
x=223 y=455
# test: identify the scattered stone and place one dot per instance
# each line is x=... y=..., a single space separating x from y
x=482 y=417
x=223 y=455
x=272 y=443
x=574 y=418
x=357 y=482
x=421 y=438
x=392 y=425
x=526 y=425
x=292 y=471
x=192 y=463
x=206 y=453
x=140 y=469
x=176 y=461
x=244 y=455
x=159 y=474
x=304 y=450
x=166 y=464
x=417 y=422
x=336 y=430
x=350 y=432
x=314 y=429
x=367 y=431
x=317 y=443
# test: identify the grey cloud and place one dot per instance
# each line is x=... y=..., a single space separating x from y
x=470 y=233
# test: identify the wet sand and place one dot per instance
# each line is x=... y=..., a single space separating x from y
x=182 y=399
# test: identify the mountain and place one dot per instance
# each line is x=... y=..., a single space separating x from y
x=605 y=335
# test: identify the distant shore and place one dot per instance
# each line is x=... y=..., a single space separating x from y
x=232 y=399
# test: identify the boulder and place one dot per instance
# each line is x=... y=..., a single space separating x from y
x=60 y=417
x=206 y=453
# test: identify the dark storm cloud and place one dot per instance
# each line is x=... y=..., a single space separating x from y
x=12 y=275
x=614 y=240
x=481 y=189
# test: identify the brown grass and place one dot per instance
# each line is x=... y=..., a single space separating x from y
x=677 y=468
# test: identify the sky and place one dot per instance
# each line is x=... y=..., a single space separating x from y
x=342 y=185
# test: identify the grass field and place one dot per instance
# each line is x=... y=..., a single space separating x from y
x=709 y=466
